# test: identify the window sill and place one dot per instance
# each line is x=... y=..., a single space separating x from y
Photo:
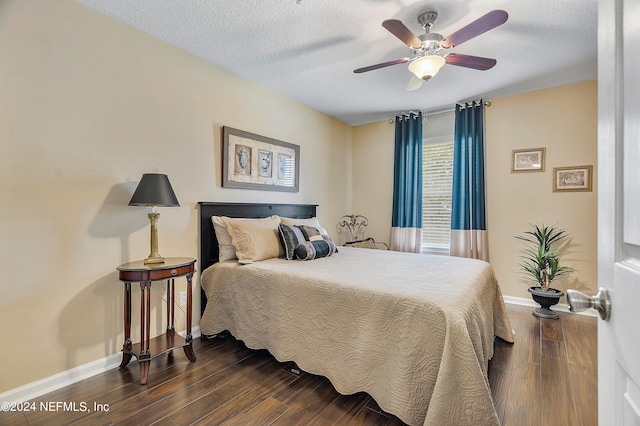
x=443 y=251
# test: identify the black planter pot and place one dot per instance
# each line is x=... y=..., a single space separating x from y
x=546 y=299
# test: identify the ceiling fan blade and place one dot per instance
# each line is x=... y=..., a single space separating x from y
x=468 y=61
x=415 y=83
x=481 y=25
x=382 y=65
x=399 y=30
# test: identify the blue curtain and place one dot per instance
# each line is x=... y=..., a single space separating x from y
x=406 y=220
x=468 y=206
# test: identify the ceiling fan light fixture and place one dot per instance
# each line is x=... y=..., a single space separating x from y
x=426 y=67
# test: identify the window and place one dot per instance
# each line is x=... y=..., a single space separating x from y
x=437 y=176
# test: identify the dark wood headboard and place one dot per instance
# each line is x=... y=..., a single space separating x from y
x=208 y=241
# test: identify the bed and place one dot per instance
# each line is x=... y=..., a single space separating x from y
x=414 y=331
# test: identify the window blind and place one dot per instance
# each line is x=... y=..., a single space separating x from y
x=437 y=168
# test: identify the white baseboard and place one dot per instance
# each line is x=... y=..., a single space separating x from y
x=560 y=307
x=58 y=381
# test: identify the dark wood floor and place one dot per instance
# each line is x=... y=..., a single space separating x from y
x=547 y=377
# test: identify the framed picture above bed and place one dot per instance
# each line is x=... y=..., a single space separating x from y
x=252 y=161
x=527 y=160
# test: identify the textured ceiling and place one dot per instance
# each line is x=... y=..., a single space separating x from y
x=308 y=49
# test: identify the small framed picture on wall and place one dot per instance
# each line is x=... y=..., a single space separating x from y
x=527 y=160
x=573 y=178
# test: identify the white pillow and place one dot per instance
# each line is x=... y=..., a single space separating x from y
x=313 y=221
x=226 y=250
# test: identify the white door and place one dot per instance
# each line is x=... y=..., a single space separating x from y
x=619 y=210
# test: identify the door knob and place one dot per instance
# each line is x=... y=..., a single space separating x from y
x=601 y=302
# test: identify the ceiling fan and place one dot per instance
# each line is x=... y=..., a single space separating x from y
x=427 y=61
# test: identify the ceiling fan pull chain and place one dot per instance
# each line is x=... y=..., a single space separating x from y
x=425 y=121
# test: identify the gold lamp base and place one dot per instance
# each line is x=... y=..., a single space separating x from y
x=152 y=260
x=154 y=257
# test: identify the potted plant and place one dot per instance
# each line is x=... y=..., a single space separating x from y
x=541 y=262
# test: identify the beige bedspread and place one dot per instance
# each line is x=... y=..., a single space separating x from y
x=414 y=331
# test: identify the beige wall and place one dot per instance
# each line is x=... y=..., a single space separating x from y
x=564 y=121
x=373 y=176
x=561 y=119
x=88 y=105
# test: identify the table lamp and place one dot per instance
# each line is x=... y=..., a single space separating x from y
x=154 y=190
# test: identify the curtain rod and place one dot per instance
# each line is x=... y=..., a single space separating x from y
x=477 y=102
x=443 y=110
x=404 y=115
